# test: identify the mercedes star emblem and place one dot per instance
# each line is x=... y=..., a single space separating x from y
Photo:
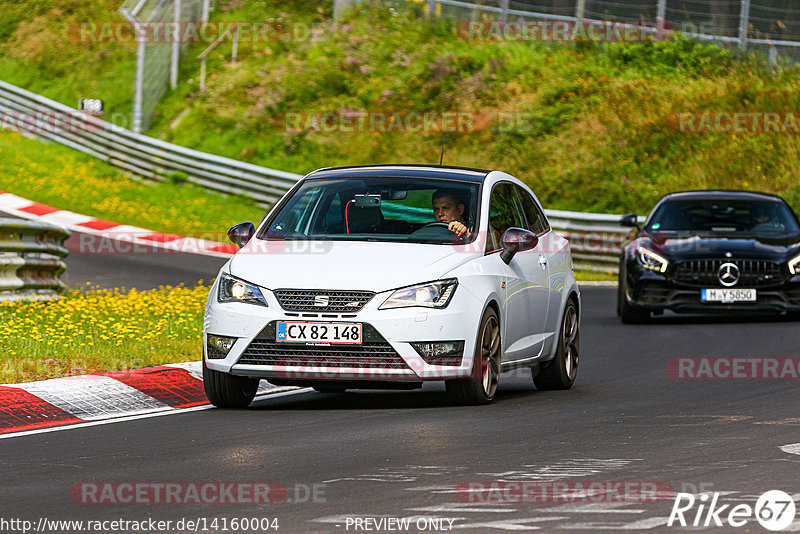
x=728 y=274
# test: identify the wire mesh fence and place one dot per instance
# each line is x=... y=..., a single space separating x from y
x=161 y=41
x=768 y=25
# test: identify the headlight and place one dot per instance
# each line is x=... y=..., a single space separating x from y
x=794 y=265
x=234 y=290
x=430 y=295
x=651 y=260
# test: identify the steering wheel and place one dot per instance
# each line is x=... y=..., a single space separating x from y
x=436 y=229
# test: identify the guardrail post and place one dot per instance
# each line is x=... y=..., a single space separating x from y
x=503 y=10
x=31 y=254
x=744 y=23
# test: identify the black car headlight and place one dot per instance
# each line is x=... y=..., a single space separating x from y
x=231 y=289
x=431 y=295
x=652 y=261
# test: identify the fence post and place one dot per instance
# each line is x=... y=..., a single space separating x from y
x=432 y=8
x=661 y=14
x=138 y=90
x=744 y=23
x=176 y=46
x=503 y=10
x=579 y=10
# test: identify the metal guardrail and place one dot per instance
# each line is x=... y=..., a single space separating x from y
x=595 y=238
x=137 y=154
x=31 y=259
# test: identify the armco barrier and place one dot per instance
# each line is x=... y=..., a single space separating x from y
x=595 y=238
x=31 y=259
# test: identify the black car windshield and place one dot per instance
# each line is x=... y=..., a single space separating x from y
x=377 y=209
x=719 y=216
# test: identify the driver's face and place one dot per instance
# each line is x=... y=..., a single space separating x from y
x=447 y=210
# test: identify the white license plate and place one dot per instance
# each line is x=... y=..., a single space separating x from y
x=728 y=295
x=312 y=332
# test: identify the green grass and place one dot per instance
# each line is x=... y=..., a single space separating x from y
x=67 y=179
x=100 y=330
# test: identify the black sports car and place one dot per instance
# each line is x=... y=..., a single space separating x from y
x=711 y=251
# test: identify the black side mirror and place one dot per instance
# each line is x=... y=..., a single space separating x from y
x=241 y=233
x=517 y=240
x=630 y=220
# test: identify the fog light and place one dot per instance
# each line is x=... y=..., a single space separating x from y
x=219 y=346
x=440 y=352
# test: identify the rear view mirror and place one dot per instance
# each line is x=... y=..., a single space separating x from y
x=517 y=240
x=241 y=233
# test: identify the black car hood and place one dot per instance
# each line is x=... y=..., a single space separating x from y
x=689 y=246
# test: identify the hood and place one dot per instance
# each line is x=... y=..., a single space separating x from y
x=687 y=246
x=369 y=266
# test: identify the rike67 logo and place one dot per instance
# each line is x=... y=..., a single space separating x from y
x=774 y=510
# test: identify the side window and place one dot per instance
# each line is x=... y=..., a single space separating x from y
x=537 y=222
x=504 y=212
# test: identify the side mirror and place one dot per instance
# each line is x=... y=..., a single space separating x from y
x=241 y=233
x=517 y=240
x=631 y=220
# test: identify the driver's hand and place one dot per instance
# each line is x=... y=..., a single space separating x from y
x=457 y=227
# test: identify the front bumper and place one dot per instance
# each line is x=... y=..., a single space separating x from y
x=386 y=355
x=656 y=292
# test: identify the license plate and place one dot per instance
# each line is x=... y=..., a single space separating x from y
x=728 y=295
x=311 y=332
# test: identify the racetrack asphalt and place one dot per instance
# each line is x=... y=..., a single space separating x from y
x=373 y=454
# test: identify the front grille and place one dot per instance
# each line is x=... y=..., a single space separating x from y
x=213 y=353
x=704 y=273
x=373 y=353
x=313 y=300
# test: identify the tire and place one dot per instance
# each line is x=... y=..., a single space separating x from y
x=560 y=373
x=330 y=389
x=228 y=391
x=628 y=313
x=481 y=386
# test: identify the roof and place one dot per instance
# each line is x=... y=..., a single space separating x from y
x=722 y=194
x=443 y=172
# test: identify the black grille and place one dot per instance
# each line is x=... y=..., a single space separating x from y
x=653 y=293
x=373 y=353
x=213 y=353
x=303 y=300
x=704 y=273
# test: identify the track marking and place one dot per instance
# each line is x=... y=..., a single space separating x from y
x=165 y=411
x=792 y=448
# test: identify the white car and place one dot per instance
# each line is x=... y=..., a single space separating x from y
x=388 y=276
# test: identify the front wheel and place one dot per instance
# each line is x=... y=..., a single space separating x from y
x=561 y=371
x=228 y=391
x=481 y=386
x=628 y=313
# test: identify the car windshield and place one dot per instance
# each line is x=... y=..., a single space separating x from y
x=376 y=209
x=724 y=216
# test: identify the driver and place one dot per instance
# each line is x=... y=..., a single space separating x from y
x=449 y=208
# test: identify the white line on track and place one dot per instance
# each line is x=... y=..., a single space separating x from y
x=141 y=416
x=792 y=448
